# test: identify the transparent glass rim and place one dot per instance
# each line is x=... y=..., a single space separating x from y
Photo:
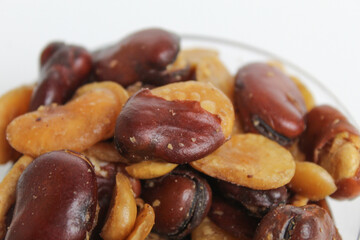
x=271 y=55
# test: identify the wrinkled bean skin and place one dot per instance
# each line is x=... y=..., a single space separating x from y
x=269 y=103
x=323 y=124
x=139 y=56
x=232 y=219
x=56 y=198
x=257 y=202
x=147 y=124
x=181 y=200
x=63 y=69
x=300 y=223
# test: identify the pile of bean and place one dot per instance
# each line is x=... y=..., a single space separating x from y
x=142 y=140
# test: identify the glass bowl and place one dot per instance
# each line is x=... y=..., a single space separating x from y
x=235 y=54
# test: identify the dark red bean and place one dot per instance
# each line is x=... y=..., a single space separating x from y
x=56 y=198
x=181 y=200
x=300 y=223
x=232 y=218
x=323 y=124
x=269 y=103
x=64 y=69
x=142 y=56
x=257 y=202
x=147 y=128
x=49 y=51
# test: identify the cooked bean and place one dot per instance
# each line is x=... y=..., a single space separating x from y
x=144 y=223
x=211 y=99
x=332 y=142
x=89 y=118
x=269 y=103
x=12 y=104
x=142 y=56
x=150 y=127
x=8 y=190
x=150 y=169
x=289 y=222
x=63 y=69
x=122 y=215
x=249 y=160
x=56 y=198
x=181 y=200
x=257 y=202
x=312 y=181
x=231 y=218
x=105 y=177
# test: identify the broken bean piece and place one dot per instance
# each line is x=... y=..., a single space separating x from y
x=122 y=214
x=232 y=219
x=82 y=122
x=256 y=202
x=63 y=69
x=249 y=160
x=332 y=142
x=269 y=103
x=312 y=181
x=8 y=190
x=181 y=200
x=150 y=169
x=208 y=230
x=56 y=198
x=140 y=56
x=105 y=177
x=12 y=104
x=210 y=98
x=289 y=222
x=144 y=223
x=146 y=127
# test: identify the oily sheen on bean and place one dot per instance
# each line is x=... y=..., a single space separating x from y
x=142 y=56
x=146 y=127
x=56 y=198
x=269 y=103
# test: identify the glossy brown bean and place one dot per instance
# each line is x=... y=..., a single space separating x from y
x=269 y=103
x=331 y=141
x=232 y=218
x=257 y=202
x=181 y=200
x=63 y=69
x=142 y=56
x=301 y=223
x=49 y=51
x=56 y=198
x=150 y=127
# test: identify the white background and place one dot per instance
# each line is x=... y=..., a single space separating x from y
x=322 y=37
